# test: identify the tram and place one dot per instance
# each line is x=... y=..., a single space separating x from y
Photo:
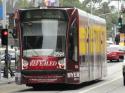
x=59 y=46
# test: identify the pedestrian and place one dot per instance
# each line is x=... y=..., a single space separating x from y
x=8 y=60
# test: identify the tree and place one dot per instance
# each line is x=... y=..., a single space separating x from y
x=22 y=4
x=0 y=1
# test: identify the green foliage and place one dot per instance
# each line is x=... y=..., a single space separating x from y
x=22 y=4
x=0 y=1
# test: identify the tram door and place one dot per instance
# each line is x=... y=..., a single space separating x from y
x=72 y=43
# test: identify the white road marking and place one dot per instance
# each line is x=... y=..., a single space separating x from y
x=87 y=90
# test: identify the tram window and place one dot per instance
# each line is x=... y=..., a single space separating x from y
x=28 y=42
x=73 y=42
x=60 y=44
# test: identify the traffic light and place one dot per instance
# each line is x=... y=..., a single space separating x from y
x=120 y=24
x=4 y=37
x=123 y=28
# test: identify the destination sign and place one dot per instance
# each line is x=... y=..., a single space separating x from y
x=27 y=15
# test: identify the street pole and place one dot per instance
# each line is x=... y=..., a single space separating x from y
x=4 y=27
x=118 y=9
x=120 y=15
x=91 y=7
x=6 y=63
x=4 y=14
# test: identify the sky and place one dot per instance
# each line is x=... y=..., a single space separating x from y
x=81 y=0
x=116 y=4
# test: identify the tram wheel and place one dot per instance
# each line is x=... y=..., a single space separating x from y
x=36 y=87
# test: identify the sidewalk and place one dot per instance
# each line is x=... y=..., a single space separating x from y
x=6 y=80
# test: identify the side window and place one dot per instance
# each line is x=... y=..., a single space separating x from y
x=73 y=42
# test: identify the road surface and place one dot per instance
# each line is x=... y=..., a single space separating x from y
x=113 y=83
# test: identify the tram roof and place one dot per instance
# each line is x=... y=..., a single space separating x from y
x=81 y=12
x=90 y=16
x=63 y=8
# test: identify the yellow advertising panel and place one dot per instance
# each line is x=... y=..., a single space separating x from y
x=82 y=41
x=122 y=37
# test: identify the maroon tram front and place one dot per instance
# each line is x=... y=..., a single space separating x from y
x=49 y=47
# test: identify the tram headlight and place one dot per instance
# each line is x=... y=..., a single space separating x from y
x=62 y=64
x=24 y=64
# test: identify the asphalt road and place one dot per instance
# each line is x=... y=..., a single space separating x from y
x=113 y=83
